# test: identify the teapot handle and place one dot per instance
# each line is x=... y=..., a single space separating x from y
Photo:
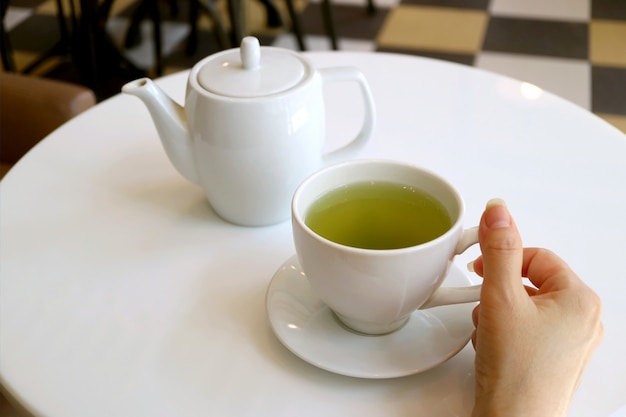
x=369 y=120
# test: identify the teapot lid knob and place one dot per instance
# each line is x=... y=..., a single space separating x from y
x=243 y=73
x=250 y=53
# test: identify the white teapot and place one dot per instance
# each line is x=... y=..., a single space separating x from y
x=252 y=128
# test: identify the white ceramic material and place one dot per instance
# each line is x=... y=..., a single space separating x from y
x=123 y=294
x=375 y=291
x=252 y=127
x=307 y=327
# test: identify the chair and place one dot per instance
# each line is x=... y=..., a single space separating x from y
x=329 y=22
x=31 y=108
x=61 y=48
x=149 y=9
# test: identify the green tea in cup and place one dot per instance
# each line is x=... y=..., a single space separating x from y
x=378 y=215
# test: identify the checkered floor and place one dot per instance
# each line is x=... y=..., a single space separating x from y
x=574 y=48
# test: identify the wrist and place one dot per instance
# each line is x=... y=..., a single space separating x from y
x=516 y=403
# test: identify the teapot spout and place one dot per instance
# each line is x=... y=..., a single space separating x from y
x=171 y=124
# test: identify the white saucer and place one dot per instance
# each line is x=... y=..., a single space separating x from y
x=307 y=327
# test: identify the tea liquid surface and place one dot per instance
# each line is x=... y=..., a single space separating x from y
x=378 y=215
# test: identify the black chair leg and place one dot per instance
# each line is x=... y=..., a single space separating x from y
x=329 y=23
x=156 y=26
x=274 y=20
x=236 y=20
x=5 y=44
x=133 y=35
x=174 y=8
x=7 y=51
x=295 y=25
x=65 y=34
x=192 y=39
x=371 y=7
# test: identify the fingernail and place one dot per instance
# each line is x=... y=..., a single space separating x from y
x=470 y=266
x=497 y=216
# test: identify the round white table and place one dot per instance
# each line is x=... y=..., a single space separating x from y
x=123 y=294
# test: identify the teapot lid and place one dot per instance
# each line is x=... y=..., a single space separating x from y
x=251 y=71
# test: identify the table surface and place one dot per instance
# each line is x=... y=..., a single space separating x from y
x=122 y=293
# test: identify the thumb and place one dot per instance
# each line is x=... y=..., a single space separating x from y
x=502 y=253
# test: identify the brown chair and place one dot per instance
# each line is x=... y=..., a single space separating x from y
x=31 y=108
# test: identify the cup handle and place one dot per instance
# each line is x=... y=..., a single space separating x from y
x=369 y=121
x=457 y=295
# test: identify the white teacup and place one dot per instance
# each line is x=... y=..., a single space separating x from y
x=374 y=291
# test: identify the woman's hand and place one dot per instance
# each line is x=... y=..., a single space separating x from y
x=532 y=343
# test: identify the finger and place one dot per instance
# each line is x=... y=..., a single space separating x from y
x=502 y=253
x=475 y=315
x=541 y=265
x=538 y=265
x=476 y=266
